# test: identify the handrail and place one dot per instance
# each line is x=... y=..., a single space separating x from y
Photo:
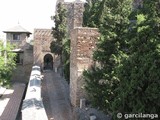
x=33 y=108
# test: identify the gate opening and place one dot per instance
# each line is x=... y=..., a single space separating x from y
x=48 y=62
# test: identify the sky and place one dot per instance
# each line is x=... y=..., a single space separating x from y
x=29 y=14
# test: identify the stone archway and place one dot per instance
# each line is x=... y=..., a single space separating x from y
x=48 y=62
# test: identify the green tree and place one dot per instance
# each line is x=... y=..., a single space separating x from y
x=61 y=44
x=138 y=91
x=90 y=15
x=7 y=64
x=66 y=59
x=113 y=23
x=60 y=30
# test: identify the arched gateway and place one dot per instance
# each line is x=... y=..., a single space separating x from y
x=48 y=62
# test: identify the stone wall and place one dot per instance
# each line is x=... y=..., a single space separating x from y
x=82 y=45
x=42 y=40
x=19 y=43
x=28 y=61
x=32 y=107
x=22 y=71
x=74 y=15
x=83 y=42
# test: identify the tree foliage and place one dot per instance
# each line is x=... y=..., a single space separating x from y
x=66 y=59
x=59 y=31
x=113 y=23
x=126 y=78
x=139 y=89
x=7 y=64
x=61 y=44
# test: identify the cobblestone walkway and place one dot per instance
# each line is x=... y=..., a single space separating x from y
x=55 y=94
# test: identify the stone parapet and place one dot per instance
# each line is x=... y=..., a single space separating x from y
x=33 y=108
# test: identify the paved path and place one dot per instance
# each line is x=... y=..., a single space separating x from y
x=11 y=101
x=55 y=94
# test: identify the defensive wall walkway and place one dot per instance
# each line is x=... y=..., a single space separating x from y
x=46 y=98
x=33 y=108
x=55 y=94
x=10 y=102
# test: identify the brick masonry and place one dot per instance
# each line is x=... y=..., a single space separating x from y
x=42 y=40
x=74 y=15
x=83 y=42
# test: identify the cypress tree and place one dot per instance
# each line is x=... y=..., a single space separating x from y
x=61 y=44
x=138 y=91
x=113 y=23
x=59 y=31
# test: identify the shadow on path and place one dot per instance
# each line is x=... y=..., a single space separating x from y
x=55 y=94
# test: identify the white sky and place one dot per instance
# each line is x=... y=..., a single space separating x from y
x=29 y=13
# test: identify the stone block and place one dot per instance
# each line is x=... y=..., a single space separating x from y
x=82 y=103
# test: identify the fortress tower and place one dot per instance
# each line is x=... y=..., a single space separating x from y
x=83 y=42
x=42 y=53
x=18 y=36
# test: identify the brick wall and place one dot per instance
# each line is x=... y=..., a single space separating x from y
x=82 y=45
x=74 y=15
x=83 y=41
x=42 y=40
